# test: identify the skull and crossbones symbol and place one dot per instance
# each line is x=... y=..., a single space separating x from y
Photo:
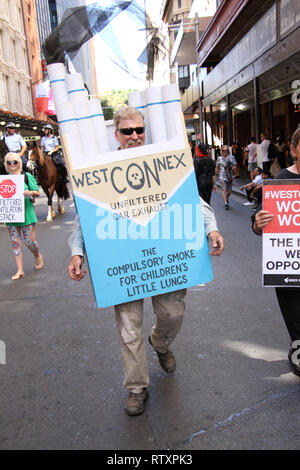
x=135 y=176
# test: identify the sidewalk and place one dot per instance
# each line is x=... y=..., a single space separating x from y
x=236 y=184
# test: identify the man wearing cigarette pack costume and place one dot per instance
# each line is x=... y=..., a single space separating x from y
x=169 y=308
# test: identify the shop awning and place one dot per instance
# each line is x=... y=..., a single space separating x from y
x=23 y=122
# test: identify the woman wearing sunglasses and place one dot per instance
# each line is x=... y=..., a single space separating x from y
x=13 y=166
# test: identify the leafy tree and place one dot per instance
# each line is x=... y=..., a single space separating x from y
x=113 y=100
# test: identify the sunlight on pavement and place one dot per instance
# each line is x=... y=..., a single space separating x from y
x=256 y=351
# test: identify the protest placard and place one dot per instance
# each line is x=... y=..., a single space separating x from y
x=12 y=198
x=142 y=225
x=139 y=207
x=281 y=237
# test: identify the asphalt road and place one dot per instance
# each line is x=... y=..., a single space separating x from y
x=61 y=386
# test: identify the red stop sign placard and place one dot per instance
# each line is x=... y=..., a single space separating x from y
x=7 y=188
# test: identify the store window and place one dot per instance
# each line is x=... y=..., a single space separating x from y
x=53 y=14
x=183 y=71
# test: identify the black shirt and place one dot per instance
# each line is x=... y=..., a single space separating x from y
x=285 y=174
x=204 y=169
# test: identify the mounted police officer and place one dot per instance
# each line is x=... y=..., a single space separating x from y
x=15 y=143
x=50 y=147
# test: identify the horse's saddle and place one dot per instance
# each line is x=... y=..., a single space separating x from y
x=59 y=164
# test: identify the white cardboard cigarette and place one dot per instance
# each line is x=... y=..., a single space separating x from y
x=75 y=87
x=56 y=71
x=57 y=78
x=68 y=125
x=85 y=126
x=135 y=99
x=172 y=108
x=99 y=125
x=146 y=118
x=155 y=115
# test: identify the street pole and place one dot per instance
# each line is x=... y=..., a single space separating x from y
x=198 y=80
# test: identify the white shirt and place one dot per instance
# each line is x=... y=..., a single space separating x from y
x=257 y=180
x=264 y=150
x=14 y=142
x=251 y=149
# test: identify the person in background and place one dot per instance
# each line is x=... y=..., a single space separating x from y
x=250 y=187
x=252 y=157
x=15 y=142
x=264 y=146
x=257 y=191
x=288 y=156
x=13 y=165
x=192 y=147
x=50 y=146
x=280 y=146
x=224 y=168
x=205 y=171
x=288 y=297
x=237 y=153
x=49 y=142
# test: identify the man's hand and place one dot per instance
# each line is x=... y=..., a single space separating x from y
x=74 y=268
x=217 y=243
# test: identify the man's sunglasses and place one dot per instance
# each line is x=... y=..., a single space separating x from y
x=131 y=130
x=12 y=162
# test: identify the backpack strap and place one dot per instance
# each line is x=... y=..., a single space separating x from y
x=26 y=179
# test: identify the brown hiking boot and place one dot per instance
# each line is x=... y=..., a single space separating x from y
x=136 y=402
x=166 y=360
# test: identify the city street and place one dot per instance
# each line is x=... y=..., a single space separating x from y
x=61 y=386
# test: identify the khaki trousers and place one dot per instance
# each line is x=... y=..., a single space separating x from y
x=169 y=310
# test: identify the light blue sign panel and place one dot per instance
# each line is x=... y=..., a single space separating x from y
x=128 y=261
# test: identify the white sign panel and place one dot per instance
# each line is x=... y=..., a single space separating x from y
x=12 y=198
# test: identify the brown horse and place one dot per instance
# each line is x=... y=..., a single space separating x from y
x=51 y=180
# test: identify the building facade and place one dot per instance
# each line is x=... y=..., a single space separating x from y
x=20 y=66
x=15 y=79
x=33 y=51
x=250 y=55
x=175 y=14
x=187 y=20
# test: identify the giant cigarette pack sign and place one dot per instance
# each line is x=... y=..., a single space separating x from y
x=139 y=208
x=12 y=198
x=142 y=226
x=281 y=237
